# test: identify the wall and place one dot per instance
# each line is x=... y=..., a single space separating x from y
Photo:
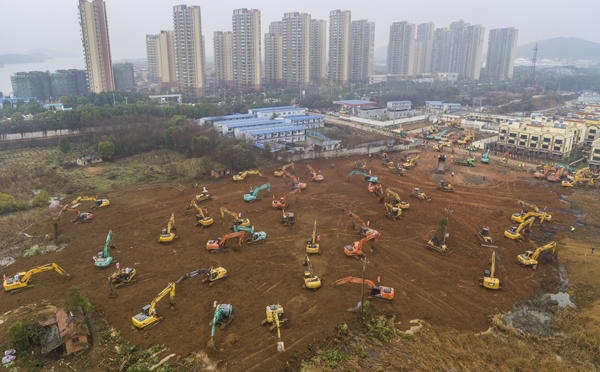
x=383 y=123
x=347 y=152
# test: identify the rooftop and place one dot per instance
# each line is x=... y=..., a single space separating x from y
x=275 y=130
x=228 y=117
x=355 y=102
x=280 y=108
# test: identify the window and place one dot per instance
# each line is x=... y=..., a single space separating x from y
x=545 y=147
x=502 y=138
x=535 y=138
x=523 y=136
x=513 y=135
x=556 y=148
x=521 y=143
x=558 y=141
x=503 y=131
x=512 y=142
x=532 y=145
x=547 y=140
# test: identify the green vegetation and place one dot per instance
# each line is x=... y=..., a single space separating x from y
x=106 y=150
x=7 y=203
x=41 y=200
x=75 y=300
x=64 y=144
x=333 y=357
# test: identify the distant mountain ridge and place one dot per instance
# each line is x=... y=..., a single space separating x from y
x=7 y=59
x=561 y=48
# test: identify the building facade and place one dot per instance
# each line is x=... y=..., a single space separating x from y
x=189 y=50
x=296 y=49
x=424 y=46
x=223 y=47
x=246 y=50
x=401 y=47
x=339 y=46
x=502 y=47
x=467 y=49
x=47 y=86
x=318 y=51
x=96 y=45
x=123 y=73
x=273 y=72
x=152 y=57
x=362 y=46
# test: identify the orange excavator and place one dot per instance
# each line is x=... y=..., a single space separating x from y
x=364 y=229
x=376 y=291
x=217 y=245
x=296 y=184
x=80 y=218
x=356 y=248
x=282 y=202
x=316 y=177
x=375 y=189
x=558 y=175
x=545 y=173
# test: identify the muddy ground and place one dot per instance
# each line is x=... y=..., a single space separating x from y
x=442 y=290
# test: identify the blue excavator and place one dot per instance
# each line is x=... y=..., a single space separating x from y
x=368 y=178
x=223 y=316
x=253 y=195
x=255 y=236
x=485 y=159
x=104 y=259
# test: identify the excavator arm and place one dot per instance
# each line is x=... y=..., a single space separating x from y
x=351 y=279
x=232 y=236
x=524 y=224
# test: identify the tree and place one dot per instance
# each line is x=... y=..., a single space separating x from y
x=170 y=134
x=442 y=223
x=17 y=116
x=75 y=299
x=106 y=149
x=41 y=200
x=69 y=101
x=64 y=144
x=7 y=203
x=16 y=337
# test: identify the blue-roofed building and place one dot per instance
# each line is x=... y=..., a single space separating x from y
x=227 y=128
x=213 y=119
x=271 y=112
x=286 y=134
x=239 y=132
x=13 y=101
x=309 y=121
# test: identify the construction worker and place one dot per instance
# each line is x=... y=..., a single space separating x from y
x=572 y=229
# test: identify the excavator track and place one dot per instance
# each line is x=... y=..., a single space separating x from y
x=23 y=289
x=154 y=324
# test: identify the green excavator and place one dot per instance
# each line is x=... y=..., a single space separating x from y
x=223 y=316
x=104 y=259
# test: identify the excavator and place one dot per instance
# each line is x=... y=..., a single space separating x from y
x=311 y=281
x=20 y=281
x=253 y=195
x=485 y=159
x=279 y=171
x=238 y=220
x=411 y=162
x=529 y=258
x=167 y=235
x=287 y=219
x=489 y=281
x=312 y=243
x=361 y=166
x=296 y=184
x=218 y=245
x=316 y=177
x=241 y=176
x=544 y=174
x=356 y=248
x=364 y=230
x=223 y=316
x=436 y=245
x=255 y=236
x=202 y=218
x=213 y=276
x=445 y=186
x=484 y=236
x=375 y=189
x=200 y=198
x=391 y=211
x=398 y=203
x=520 y=217
x=582 y=173
x=528 y=206
x=98 y=203
x=149 y=317
x=376 y=291
x=514 y=232
x=275 y=317
x=578 y=181
x=80 y=218
x=416 y=193
x=104 y=259
x=368 y=178
x=282 y=202
x=120 y=278
x=558 y=175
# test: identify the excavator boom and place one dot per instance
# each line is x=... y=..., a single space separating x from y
x=21 y=279
x=376 y=291
x=149 y=316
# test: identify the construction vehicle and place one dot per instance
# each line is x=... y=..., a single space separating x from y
x=489 y=281
x=279 y=171
x=528 y=206
x=416 y=193
x=104 y=259
x=218 y=245
x=316 y=177
x=529 y=258
x=253 y=195
x=200 y=198
x=485 y=159
x=120 y=278
x=544 y=174
x=364 y=229
x=360 y=166
x=516 y=232
x=202 y=218
x=582 y=173
x=441 y=168
x=312 y=243
x=241 y=176
x=80 y=218
x=356 y=248
x=287 y=219
x=275 y=317
x=311 y=281
x=520 y=217
x=411 y=162
x=167 y=235
x=296 y=184
x=445 y=186
x=255 y=236
x=577 y=182
x=558 y=175
x=213 y=276
x=397 y=169
x=397 y=202
x=375 y=189
x=20 y=281
x=436 y=245
x=223 y=316
x=282 y=202
x=149 y=316
x=467 y=138
x=238 y=220
x=484 y=236
x=376 y=291
x=98 y=203
x=469 y=162
x=368 y=177
x=391 y=211
x=439 y=147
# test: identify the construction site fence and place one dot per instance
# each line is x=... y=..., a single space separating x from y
x=306 y=155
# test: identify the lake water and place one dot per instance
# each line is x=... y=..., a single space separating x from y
x=61 y=63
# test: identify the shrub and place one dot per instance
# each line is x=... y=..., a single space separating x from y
x=41 y=200
x=16 y=337
x=33 y=251
x=7 y=203
x=64 y=144
x=333 y=357
x=75 y=299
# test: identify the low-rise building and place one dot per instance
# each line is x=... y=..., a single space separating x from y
x=588 y=100
x=286 y=134
x=272 y=112
x=89 y=159
x=399 y=105
x=594 y=156
x=66 y=330
x=212 y=119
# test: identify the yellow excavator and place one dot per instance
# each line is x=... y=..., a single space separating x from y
x=120 y=278
x=98 y=203
x=279 y=171
x=167 y=235
x=149 y=316
x=241 y=176
x=411 y=162
x=275 y=317
x=514 y=232
x=397 y=202
x=529 y=258
x=489 y=281
x=311 y=281
x=202 y=218
x=520 y=217
x=391 y=211
x=238 y=220
x=312 y=244
x=417 y=194
x=20 y=281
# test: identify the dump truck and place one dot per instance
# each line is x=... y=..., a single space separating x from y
x=441 y=168
x=469 y=162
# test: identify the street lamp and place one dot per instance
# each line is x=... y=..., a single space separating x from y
x=448 y=211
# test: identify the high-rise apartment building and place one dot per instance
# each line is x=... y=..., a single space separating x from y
x=339 y=46
x=318 y=51
x=47 y=85
x=246 y=49
x=401 y=48
x=152 y=57
x=467 y=49
x=296 y=49
x=222 y=42
x=124 y=77
x=424 y=46
x=189 y=49
x=96 y=45
x=273 y=72
x=362 y=45
x=160 y=50
x=441 y=50
x=502 y=46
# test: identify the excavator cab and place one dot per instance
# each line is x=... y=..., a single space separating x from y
x=224 y=315
x=382 y=292
x=272 y=312
x=288 y=219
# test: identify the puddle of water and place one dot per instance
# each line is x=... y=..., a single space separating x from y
x=563 y=299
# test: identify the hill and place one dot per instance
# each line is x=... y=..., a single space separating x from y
x=19 y=58
x=562 y=48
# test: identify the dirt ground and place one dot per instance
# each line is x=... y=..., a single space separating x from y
x=442 y=290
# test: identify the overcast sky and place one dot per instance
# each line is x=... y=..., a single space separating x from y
x=31 y=24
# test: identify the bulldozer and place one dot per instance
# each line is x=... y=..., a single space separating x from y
x=282 y=202
x=529 y=258
x=104 y=259
x=202 y=218
x=360 y=166
x=376 y=291
x=312 y=243
x=416 y=193
x=489 y=281
x=279 y=171
x=397 y=202
x=241 y=176
x=149 y=317
x=296 y=184
x=167 y=235
x=255 y=236
x=238 y=220
x=311 y=281
x=200 y=198
x=223 y=316
x=119 y=279
x=445 y=186
x=80 y=217
x=253 y=195
x=218 y=245
x=516 y=232
x=287 y=219
x=484 y=236
x=20 y=281
x=436 y=245
x=316 y=177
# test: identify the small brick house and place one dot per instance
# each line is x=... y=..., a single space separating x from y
x=90 y=159
x=67 y=330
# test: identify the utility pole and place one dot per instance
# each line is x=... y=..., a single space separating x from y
x=448 y=211
x=362 y=291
